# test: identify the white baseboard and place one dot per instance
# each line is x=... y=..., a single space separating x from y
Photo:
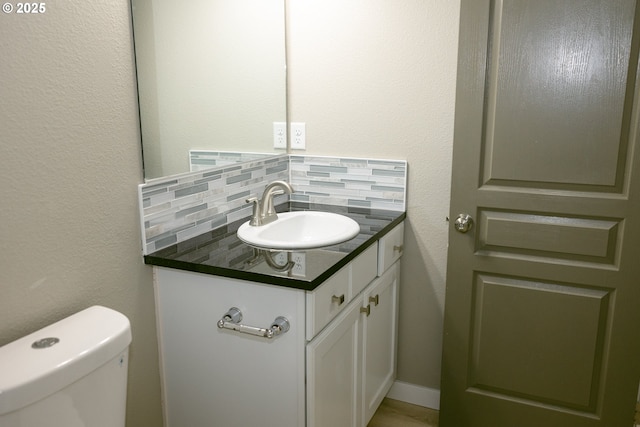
x=415 y=394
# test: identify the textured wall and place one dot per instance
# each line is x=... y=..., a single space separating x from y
x=376 y=78
x=69 y=166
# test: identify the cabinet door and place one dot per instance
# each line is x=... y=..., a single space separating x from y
x=379 y=340
x=333 y=372
x=219 y=377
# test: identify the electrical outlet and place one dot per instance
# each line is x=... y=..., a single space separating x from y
x=280 y=135
x=298 y=135
x=300 y=261
x=280 y=258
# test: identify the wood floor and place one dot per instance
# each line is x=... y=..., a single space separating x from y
x=394 y=413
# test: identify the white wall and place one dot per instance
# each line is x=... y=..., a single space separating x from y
x=376 y=78
x=69 y=166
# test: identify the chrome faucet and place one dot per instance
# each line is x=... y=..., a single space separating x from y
x=263 y=210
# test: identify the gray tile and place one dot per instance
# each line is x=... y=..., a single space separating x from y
x=192 y=190
x=238 y=178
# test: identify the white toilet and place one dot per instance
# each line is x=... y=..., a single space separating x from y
x=72 y=373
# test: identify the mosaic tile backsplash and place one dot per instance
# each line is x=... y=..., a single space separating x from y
x=177 y=208
x=180 y=207
x=206 y=159
x=368 y=183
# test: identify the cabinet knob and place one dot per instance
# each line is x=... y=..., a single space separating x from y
x=338 y=299
x=366 y=309
x=375 y=300
x=398 y=248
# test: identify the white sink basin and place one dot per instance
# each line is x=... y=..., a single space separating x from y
x=300 y=230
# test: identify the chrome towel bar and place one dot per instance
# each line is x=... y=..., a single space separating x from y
x=232 y=318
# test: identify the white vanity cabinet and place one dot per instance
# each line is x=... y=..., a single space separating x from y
x=379 y=336
x=334 y=373
x=352 y=363
x=219 y=377
x=330 y=369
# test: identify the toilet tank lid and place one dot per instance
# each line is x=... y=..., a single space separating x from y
x=87 y=340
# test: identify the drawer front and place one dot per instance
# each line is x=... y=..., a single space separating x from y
x=391 y=248
x=364 y=269
x=327 y=301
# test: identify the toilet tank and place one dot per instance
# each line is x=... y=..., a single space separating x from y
x=72 y=373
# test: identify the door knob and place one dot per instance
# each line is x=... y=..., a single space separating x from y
x=463 y=223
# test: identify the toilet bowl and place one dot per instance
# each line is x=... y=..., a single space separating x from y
x=72 y=373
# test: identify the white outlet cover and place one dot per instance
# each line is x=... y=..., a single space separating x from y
x=300 y=267
x=280 y=135
x=298 y=136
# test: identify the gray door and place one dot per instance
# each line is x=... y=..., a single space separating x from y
x=542 y=316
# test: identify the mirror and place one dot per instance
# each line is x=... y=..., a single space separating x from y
x=211 y=76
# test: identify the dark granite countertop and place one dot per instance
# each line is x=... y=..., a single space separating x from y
x=221 y=253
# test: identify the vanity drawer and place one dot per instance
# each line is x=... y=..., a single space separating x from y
x=327 y=301
x=391 y=248
x=364 y=269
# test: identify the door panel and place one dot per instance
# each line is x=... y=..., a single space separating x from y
x=561 y=90
x=541 y=313
x=523 y=234
x=538 y=341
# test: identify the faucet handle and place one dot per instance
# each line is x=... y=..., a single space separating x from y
x=255 y=215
